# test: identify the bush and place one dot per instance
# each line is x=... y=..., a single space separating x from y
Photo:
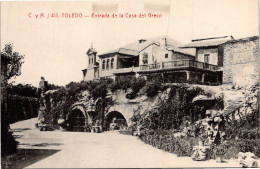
x=26 y=90
x=122 y=82
x=185 y=145
x=165 y=140
x=8 y=143
x=243 y=145
x=137 y=84
x=170 y=113
x=152 y=88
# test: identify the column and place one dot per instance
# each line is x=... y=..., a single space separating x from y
x=203 y=78
x=188 y=75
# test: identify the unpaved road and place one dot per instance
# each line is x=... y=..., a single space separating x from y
x=92 y=150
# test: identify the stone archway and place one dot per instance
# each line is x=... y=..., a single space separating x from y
x=120 y=119
x=77 y=119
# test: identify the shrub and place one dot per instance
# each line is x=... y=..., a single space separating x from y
x=185 y=145
x=164 y=139
x=152 y=88
x=122 y=82
x=243 y=145
x=137 y=84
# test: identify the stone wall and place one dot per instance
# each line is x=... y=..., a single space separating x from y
x=241 y=62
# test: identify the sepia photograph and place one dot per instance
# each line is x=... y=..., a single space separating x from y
x=130 y=84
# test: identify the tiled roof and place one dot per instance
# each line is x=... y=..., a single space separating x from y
x=135 y=48
x=128 y=51
x=210 y=42
x=190 y=52
x=243 y=39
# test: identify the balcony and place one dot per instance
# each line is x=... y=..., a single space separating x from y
x=126 y=70
x=178 y=64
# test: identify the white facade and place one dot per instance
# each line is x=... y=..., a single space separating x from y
x=211 y=53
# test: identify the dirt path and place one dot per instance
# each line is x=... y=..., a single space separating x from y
x=109 y=149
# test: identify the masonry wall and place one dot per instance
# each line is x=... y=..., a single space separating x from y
x=90 y=74
x=241 y=62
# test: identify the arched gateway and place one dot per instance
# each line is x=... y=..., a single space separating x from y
x=119 y=118
x=77 y=119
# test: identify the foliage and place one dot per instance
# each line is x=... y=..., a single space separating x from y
x=11 y=63
x=185 y=145
x=21 y=108
x=221 y=149
x=62 y=100
x=12 y=60
x=26 y=90
x=152 y=88
x=170 y=113
x=243 y=145
x=246 y=128
x=165 y=140
x=244 y=135
x=52 y=87
x=137 y=84
x=122 y=82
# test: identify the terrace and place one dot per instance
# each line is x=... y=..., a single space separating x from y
x=126 y=70
x=178 y=64
x=176 y=71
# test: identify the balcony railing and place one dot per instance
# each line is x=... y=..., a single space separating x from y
x=126 y=70
x=175 y=64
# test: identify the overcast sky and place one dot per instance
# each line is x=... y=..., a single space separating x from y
x=56 y=47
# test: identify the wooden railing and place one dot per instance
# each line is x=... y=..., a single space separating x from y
x=179 y=64
x=125 y=70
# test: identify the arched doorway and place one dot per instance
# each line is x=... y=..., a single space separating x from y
x=76 y=121
x=120 y=120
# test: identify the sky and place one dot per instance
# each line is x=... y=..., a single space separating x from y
x=55 y=48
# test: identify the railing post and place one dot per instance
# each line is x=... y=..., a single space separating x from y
x=161 y=65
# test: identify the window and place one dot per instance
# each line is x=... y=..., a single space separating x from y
x=206 y=58
x=112 y=63
x=145 y=58
x=108 y=63
x=166 y=55
x=103 y=64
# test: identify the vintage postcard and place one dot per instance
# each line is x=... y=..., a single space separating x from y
x=130 y=84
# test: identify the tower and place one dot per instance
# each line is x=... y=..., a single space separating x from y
x=92 y=71
x=91 y=53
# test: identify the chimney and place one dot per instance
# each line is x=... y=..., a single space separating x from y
x=163 y=42
x=142 y=40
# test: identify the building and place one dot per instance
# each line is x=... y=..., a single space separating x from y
x=237 y=59
x=160 y=55
x=241 y=61
x=209 y=51
x=214 y=60
x=137 y=58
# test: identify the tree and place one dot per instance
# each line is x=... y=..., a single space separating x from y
x=11 y=63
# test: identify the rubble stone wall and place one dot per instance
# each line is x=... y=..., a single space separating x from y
x=241 y=62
